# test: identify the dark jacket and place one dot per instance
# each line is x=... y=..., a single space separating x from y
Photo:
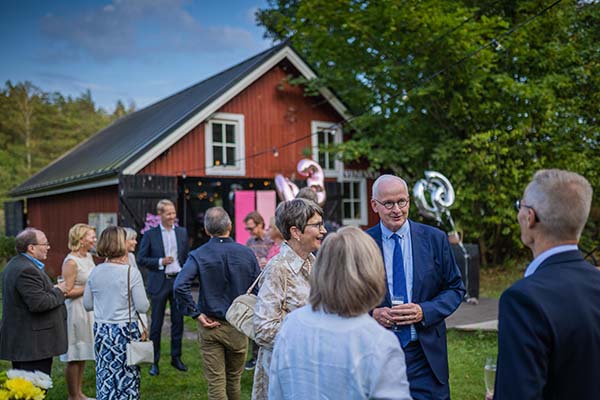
x=549 y=332
x=34 y=317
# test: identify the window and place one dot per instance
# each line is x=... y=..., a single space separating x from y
x=225 y=145
x=354 y=202
x=326 y=134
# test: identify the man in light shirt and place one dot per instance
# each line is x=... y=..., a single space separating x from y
x=548 y=331
x=163 y=252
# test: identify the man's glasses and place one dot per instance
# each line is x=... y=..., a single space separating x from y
x=518 y=206
x=47 y=244
x=250 y=228
x=318 y=225
x=388 y=205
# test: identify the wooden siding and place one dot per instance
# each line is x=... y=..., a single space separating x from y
x=274 y=113
x=55 y=215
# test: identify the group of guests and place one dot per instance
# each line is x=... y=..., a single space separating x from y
x=326 y=326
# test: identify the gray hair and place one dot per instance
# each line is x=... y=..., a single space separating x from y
x=296 y=213
x=561 y=200
x=130 y=234
x=307 y=193
x=217 y=221
x=385 y=178
x=162 y=204
x=25 y=238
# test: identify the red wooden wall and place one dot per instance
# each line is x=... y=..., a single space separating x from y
x=55 y=215
x=274 y=114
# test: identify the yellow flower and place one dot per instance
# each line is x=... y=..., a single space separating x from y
x=4 y=394
x=20 y=388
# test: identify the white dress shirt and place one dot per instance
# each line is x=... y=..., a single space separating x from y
x=170 y=244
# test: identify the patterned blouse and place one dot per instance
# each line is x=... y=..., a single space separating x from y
x=284 y=287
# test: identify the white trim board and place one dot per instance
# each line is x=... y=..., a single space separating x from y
x=286 y=52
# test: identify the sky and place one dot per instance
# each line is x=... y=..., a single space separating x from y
x=137 y=51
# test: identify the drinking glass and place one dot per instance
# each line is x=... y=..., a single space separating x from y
x=60 y=279
x=489 y=375
x=396 y=301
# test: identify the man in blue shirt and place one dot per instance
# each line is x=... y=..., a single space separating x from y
x=225 y=269
x=34 y=326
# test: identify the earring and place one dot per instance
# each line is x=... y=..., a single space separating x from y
x=297 y=238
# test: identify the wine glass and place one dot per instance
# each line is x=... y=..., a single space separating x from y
x=489 y=375
x=396 y=301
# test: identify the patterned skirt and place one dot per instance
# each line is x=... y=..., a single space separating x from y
x=114 y=379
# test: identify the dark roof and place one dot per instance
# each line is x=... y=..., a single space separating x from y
x=109 y=151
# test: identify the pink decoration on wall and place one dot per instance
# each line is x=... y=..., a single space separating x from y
x=265 y=204
x=244 y=203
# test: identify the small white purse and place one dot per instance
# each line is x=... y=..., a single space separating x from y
x=138 y=351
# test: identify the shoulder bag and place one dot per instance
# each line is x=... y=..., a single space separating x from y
x=138 y=351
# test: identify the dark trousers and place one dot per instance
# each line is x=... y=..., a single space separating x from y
x=44 y=365
x=158 y=302
x=423 y=383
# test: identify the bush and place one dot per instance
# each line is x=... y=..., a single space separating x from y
x=7 y=247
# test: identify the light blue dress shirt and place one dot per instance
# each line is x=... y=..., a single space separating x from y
x=388 y=259
x=531 y=268
x=318 y=355
x=37 y=262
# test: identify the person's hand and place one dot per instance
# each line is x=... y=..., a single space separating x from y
x=384 y=316
x=406 y=314
x=207 y=322
x=489 y=396
x=167 y=260
x=63 y=287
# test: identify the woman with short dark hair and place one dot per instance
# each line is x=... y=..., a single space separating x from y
x=332 y=348
x=284 y=285
x=106 y=293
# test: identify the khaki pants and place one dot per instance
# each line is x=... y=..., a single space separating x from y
x=224 y=354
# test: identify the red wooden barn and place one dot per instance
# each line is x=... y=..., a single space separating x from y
x=233 y=131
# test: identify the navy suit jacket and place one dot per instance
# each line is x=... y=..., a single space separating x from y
x=152 y=249
x=549 y=332
x=437 y=288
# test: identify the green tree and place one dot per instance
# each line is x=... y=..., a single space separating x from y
x=484 y=93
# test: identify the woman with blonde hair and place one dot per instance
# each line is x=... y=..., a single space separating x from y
x=107 y=293
x=332 y=348
x=284 y=285
x=80 y=324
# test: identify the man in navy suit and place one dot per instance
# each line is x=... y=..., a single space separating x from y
x=420 y=268
x=163 y=252
x=549 y=330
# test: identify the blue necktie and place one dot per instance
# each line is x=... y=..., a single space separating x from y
x=400 y=286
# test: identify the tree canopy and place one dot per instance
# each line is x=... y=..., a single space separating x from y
x=484 y=93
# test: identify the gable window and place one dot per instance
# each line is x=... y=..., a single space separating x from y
x=224 y=140
x=354 y=202
x=324 y=135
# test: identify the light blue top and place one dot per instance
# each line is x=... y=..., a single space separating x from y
x=324 y=356
x=37 y=262
x=388 y=258
x=531 y=268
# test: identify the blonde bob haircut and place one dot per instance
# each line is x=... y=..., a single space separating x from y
x=76 y=233
x=112 y=243
x=348 y=276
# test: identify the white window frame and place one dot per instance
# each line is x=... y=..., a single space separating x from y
x=362 y=197
x=317 y=126
x=240 y=149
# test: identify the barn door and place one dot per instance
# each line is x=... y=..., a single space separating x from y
x=139 y=194
x=333 y=204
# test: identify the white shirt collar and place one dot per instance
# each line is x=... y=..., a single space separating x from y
x=534 y=265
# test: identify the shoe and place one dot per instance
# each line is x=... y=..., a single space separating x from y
x=250 y=365
x=178 y=364
x=154 y=370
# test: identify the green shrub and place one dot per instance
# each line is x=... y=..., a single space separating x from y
x=7 y=247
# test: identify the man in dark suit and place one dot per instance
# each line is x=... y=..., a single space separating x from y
x=34 y=323
x=163 y=252
x=549 y=331
x=421 y=272
x=225 y=270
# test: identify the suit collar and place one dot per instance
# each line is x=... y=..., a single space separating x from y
x=560 y=258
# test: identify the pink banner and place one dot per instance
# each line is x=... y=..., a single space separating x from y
x=244 y=204
x=265 y=204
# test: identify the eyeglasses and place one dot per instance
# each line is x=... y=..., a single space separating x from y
x=250 y=228
x=518 y=206
x=47 y=244
x=388 y=205
x=318 y=225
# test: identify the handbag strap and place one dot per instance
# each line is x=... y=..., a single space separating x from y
x=251 y=288
x=129 y=300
